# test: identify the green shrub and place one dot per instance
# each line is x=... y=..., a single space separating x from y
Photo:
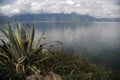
x=18 y=54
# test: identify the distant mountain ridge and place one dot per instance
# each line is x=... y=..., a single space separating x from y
x=73 y=17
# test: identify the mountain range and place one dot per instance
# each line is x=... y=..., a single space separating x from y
x=73 y=17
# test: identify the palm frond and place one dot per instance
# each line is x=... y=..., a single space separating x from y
x=18 y=65
x=39 y=40
x=4 y=32
x=30 y=34
x=35 y=71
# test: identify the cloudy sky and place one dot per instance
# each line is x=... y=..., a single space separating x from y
x=96 y=8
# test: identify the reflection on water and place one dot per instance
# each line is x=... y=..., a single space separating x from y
x=99 y=40
x=92 y=36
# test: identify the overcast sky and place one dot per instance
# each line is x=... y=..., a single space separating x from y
x=96 y=8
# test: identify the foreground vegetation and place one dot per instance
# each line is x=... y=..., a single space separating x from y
x=20 y=57
x=71 y=67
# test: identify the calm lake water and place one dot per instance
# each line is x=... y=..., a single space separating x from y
x=100 y=40
x=93 y=36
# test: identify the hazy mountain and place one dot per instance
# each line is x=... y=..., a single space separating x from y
x=54 y=17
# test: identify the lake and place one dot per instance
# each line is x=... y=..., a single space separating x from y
x=93 y=36
x=98 y=41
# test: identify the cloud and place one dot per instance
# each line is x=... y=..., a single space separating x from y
x=70 y=2
x=96 y=8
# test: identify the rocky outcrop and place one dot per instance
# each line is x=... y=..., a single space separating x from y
x=52 y=76
x=49 y=76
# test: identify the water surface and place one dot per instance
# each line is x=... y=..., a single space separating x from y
x=98 y=41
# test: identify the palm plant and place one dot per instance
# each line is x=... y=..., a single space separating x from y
x=19 y=53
